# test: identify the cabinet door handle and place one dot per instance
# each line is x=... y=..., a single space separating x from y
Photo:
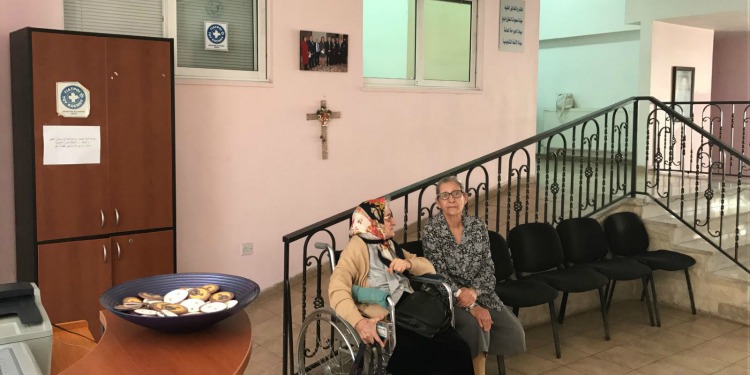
x=117 y=217
x=104 y=247
x=102 y=212
x=118 y=250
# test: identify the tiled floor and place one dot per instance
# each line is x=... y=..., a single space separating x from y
x=685 y=344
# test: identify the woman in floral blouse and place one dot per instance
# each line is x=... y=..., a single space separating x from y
x=458 y=246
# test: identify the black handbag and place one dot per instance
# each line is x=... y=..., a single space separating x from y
x=358 y=367
x=424 y=312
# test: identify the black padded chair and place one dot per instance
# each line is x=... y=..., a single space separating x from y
x=414 y=247
x=627 y=237
x=585 y=245
x=538 y=255
x=521 y=293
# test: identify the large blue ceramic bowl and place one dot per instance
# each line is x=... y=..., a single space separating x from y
x=245 y=291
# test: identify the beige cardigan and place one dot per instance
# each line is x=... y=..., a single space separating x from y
x=352 y=268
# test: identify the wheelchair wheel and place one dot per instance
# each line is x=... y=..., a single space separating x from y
x=327 y=344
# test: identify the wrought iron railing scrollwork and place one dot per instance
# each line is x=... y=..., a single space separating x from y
x=693 y=170
x=696 y=171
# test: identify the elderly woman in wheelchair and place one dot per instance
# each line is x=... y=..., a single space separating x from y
x=373 y=263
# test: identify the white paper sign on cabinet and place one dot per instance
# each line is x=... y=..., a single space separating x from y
x=65 y=145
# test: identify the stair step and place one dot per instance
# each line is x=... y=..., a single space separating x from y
x=734 y=273
x=667 y=230
x=716 y=260
x=727 y=222
x=740 y=314
x=715 y=210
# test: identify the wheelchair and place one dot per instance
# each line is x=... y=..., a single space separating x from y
x=327 y=344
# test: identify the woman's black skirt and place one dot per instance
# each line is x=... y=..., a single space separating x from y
x=445 y=353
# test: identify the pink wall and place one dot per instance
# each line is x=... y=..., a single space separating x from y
x=16 y=14
x=731 y=82
x=731 y=63
x=676 y=45
x=248 y=163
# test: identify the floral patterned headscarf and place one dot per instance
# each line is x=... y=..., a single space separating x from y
x=368 y=220
x=368 y=223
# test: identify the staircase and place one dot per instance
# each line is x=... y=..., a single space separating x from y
x=720 y=285
x=687 y=181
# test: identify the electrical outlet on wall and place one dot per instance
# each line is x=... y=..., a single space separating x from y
x=247 y=248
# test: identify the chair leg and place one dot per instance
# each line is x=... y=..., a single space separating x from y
x=604 y=313
x=555 y=334
x=501 y=364
x=607 y=291
x=656 y=301
x=610 y=293
x=690 y=291
x=648 y=303
x=563 y=304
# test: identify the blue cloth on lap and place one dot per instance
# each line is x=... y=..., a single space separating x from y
x=370 y=295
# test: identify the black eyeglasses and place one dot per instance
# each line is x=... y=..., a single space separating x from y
x=455 y=194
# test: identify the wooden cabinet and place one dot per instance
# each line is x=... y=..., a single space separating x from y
x=70 y=199
x=130 y=85
x=140 y=255
x=73 y=274
x=68 y=216
x=140 y=149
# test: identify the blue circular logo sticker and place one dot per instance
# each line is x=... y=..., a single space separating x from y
x=216 y=34
x=73 y=97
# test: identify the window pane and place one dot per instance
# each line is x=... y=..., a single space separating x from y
x=447 y=40
x=389 y=38
x=240 y=18
x=132 y=17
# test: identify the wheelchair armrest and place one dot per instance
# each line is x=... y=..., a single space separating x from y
x=430 y=278
x=436 y=279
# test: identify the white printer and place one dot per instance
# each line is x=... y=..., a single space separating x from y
x=25 y=331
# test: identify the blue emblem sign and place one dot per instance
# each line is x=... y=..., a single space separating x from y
x=73 y=97
x=216 y=34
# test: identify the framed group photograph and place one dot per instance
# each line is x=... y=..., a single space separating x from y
x=323 y=51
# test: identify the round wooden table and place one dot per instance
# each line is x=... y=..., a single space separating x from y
x=127 y=348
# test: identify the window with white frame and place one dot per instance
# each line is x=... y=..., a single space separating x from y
x=242 y=55
x=429 y=43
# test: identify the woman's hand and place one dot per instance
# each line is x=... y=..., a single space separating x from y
x=467 y=297
x=483 y=317
x=368 y=332
x=399 y=265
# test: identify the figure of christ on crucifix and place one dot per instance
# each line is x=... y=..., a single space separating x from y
x=324 y=115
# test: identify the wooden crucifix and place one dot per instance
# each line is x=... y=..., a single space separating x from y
x=323 y=114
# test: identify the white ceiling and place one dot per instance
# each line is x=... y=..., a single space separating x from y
x=728 y=21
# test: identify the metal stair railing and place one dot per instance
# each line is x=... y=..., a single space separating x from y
x=726 y=120
x=638 y=146
x=696 y=173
